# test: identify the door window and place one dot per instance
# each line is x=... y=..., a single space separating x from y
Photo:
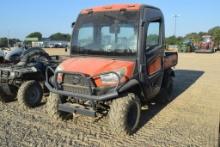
x=153 y=35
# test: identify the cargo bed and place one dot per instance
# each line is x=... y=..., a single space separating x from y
x=170 y=59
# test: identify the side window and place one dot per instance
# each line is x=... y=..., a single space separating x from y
x=153 y=35
x=86 y=35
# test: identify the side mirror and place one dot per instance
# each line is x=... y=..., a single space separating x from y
x=114 y=29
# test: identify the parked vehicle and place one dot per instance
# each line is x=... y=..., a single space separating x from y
x=117 y=65
x=14 y=54
x=25 y=80
x=207 y=45
x=11 y=55
x=187 y=46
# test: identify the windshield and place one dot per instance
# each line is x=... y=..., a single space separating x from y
x=109 y=34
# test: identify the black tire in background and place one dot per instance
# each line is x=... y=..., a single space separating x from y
x=30 y=94
x=9 y=94
x=124 y=114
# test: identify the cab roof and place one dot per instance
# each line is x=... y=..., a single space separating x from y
x=113 y=7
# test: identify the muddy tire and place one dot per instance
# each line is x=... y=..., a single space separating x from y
x=125 y=115
x=8 y=96
x=30 y=94
x=53 y=102
x=165 y=95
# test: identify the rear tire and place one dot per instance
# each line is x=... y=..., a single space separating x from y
x=30 y=94
x=165 y=95
x=125 y=114
x=53 y=102
x=214 y=50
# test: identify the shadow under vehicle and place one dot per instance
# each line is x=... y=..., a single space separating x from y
x=184 y=80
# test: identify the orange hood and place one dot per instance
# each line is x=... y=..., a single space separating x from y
x=94 y=66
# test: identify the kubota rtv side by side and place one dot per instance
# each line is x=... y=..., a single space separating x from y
x=118 y=64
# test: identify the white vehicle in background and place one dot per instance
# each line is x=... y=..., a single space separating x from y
x=11 y=55
x=14 y=54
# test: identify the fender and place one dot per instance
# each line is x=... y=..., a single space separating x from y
x=30 y=53
x=130 y=84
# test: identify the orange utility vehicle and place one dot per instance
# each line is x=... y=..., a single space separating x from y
x=117 y=65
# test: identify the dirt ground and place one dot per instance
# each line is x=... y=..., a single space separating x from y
x=191 y=119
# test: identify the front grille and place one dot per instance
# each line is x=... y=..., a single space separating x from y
x=77 y=83
x=76 y=79
x=4 y=74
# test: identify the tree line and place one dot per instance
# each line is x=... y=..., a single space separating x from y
x=196 y=37
x=5 y=42
x=53 y=37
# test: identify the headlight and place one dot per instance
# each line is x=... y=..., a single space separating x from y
x=112 y=78
x=59 y=68
x=60 y=75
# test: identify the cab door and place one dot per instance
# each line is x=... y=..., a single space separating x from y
x=154 y=52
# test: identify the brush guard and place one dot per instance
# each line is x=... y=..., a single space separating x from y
x=55 y=87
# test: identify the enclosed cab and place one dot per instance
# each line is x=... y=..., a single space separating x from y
x=117 y=65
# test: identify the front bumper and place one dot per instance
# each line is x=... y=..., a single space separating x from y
x=10 y=73
x=55 y=88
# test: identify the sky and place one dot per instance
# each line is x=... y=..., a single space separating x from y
x=18 y=18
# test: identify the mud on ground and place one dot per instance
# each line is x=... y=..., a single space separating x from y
x=191 y=119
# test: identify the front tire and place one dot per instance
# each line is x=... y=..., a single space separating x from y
x=53 y=102
x=30 y=94
x=125 y=114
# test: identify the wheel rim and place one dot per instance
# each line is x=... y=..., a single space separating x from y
x=132 y=116
x=33 y=95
